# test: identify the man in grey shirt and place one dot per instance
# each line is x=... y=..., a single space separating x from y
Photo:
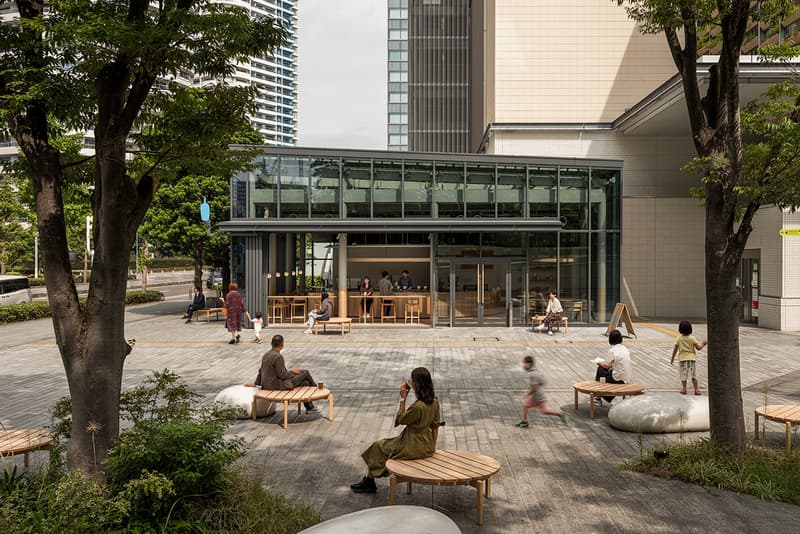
x=385 y=288
x=274 y=375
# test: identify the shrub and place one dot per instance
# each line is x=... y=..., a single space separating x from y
x=39 y=310
x=142 y=297
x=24 y=312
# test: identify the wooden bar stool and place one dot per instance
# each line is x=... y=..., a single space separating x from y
x=276 y=309
x=412 y=307
x=388 y=310
x=298 y=305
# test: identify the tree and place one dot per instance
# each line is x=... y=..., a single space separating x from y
x=173 y=222
x=89 y=65
x=738 y=178
x=16 y=239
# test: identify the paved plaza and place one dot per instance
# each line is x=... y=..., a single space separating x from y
x=553 y=478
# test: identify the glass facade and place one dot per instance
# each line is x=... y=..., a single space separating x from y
x=531 y=224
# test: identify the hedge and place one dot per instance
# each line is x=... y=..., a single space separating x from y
x=39 y=310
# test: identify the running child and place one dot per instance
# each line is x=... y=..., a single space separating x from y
x=535 y=397
x=258 y=324
x=686 y=347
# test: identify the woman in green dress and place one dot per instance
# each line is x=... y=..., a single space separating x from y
x=418 y=438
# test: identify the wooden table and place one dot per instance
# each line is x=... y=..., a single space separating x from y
x=345 y=325
x=24 y=441
x=787 y=414
x=358 y=305
x=603 y=389
x=298 y=395
x=446 y=468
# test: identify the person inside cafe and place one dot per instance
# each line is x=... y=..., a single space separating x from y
x=405 y=283
x=616 y=368
x=366 y=291
x=274 y=376
x=385 y=290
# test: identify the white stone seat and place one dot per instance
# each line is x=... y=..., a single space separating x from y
x=241 y=398
x=381 y=520
x=654 y=413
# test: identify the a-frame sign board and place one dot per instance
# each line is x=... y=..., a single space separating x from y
x=621 y=315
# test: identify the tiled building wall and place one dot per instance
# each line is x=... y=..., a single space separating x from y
x=766 y=241
x=571 y=61
x=790 y=305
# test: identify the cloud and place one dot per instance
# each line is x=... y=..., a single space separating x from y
x=342 y=73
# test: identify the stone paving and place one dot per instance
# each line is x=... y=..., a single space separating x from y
x=553 y=478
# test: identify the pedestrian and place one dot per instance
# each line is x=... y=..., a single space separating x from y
x=385 y=289
x=258 y=324
x=686 y=347
x=234 y=308
x=552 y=314
x=535 y=397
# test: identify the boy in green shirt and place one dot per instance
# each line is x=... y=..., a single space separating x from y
x=685 y=347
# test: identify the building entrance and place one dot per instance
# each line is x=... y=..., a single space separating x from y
x=481 y=291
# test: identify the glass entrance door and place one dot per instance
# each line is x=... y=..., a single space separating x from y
x=481 y=292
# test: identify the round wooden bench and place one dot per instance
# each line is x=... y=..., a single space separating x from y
x=446 y=468
x=345 y=325
x=602 y=389
x=296 y=395
x=788 y=414
x=24 y=441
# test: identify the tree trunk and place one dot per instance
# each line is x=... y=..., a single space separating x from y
x=722 y=303
x=198 y=272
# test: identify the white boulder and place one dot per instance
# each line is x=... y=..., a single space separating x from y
x=654 y=413
x=241 y=398
x=411 y=519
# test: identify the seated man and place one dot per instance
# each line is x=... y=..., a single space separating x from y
x=274 y=376
x=322 y=314
x=617 y=368
x=198 y=303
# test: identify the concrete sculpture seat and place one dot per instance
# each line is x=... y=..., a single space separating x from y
x=381 y=520
x=655 y=413
x=241 y=398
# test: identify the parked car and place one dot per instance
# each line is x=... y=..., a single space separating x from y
x=214 y=279
x=14 y=290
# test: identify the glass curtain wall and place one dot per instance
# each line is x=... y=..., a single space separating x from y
x=387 y=190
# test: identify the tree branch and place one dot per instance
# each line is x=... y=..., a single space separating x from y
x=78 y=162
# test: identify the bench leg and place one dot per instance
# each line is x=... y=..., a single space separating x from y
x=788 y=436
x=285 y=414
x=576 y=399
x=26 y=460
x=254 y=408
x=488 y=488
x=330 y=407
x=299 y=407
x=591 y=405
x=392 y=488
x=408 y=488
x=479 y=487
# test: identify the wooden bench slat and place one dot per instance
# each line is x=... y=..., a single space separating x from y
x=465 y=463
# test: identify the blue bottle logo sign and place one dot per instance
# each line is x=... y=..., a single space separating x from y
x=205 y=211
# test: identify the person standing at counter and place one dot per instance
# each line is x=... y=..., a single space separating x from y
x=366 y=291
x=405 y=283
x=385 y=290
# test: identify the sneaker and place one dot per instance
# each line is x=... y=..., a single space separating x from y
x=366 y=485
x=309 y=331
x=564 y=419
x=232 y=342
x=237 y=338
x=540 y=327
x=549 y=332
x=522 y=424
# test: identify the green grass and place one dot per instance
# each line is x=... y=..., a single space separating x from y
x=766 y=473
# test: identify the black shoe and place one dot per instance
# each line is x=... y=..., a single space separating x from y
x=310 y=408
x=237 y=338
x=232 y=342
x=367 y=485
x=188 y=321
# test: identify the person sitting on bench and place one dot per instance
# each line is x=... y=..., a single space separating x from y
x=274 y=376
x=617 y=368
x=198 y=303
x=552 y=314
x=322 y=314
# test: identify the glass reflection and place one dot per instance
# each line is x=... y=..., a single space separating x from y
x=357 y=186
x=449 y=195
x=417 y=189
x=510 y=191
x=294 y=187
x=263 y=194
x=386 y=190
x=605 y=199
x=574 y=198
x=324 y=188
x=543 y=192
x=480 y=191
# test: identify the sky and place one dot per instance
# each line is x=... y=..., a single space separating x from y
x=342 y=73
